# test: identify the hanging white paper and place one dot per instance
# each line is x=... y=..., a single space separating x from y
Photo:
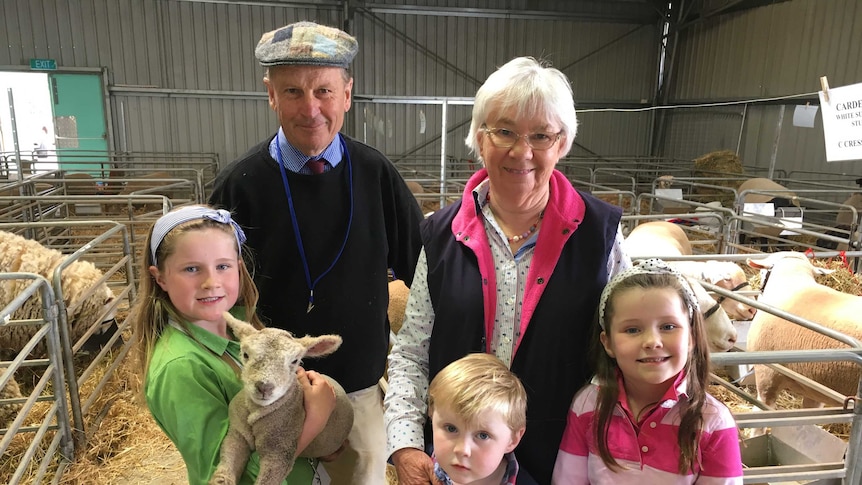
x=803 y=116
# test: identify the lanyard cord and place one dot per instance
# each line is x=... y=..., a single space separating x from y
x=312 y=284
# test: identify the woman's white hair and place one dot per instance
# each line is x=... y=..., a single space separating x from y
x=531 y=87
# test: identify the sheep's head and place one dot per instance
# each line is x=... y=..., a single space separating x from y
x=271 y=357
x=86 y=295
x=728 y=275
x=790 y=263
x=720 y=332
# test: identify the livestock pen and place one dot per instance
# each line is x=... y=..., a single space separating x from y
x=796 y=447
x=99 y=212
x=69 y=362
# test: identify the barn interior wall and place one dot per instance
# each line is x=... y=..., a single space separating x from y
x=181 y=76
x=758 y=60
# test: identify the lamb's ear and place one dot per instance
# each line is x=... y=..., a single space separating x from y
x=320 y=346
x=240 y=328
x=758 y=264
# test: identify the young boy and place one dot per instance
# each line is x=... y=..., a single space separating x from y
x=478 y=412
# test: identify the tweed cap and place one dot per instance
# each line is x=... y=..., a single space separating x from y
x=306 y=43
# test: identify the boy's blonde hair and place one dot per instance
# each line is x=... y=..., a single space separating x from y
x=477 y=383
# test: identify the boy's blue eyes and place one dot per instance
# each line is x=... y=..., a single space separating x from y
x=482 y=435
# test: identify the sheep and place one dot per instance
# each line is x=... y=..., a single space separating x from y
x=428 y=204
x=398 y=294
x=791 y=287
x=665 y=238
x=661 y=238
x=8 y=412
x=267 y=415
x=844 y=222
x=778 y=195
x=84 y=303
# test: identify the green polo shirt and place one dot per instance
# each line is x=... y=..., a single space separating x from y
x=188 y=389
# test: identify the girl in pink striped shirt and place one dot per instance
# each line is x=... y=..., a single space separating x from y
x=646 y=417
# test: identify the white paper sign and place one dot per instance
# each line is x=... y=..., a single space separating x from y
x=669 y=193
x=804 y=116
x=842 y=123
x=759 y=209
x=781 y=215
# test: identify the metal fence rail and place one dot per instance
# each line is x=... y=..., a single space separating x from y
x=110 y=250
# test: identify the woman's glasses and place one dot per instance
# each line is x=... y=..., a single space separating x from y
x=506 y=138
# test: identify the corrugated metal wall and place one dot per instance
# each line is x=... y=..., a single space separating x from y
x=452 y=56
x=769 y=52
x=182 y=76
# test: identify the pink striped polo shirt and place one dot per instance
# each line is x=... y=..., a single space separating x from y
x=648 y=450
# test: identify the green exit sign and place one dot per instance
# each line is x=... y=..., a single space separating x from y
x=43 y=64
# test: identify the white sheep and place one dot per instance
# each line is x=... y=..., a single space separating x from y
x=87 y=305
x=791 y=287
x=267 y=415
x=661 y=238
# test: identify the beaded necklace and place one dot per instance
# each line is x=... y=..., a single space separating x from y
x=529 y=232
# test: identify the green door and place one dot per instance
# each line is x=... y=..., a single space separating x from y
x=79 y=123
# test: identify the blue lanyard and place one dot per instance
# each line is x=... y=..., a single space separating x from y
x=312 y=284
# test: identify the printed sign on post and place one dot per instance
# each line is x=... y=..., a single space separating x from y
x=842 y=122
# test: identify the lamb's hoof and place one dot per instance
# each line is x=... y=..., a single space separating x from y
x=221 y=479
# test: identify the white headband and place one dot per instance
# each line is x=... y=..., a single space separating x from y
x=191 y=213
x=649 y=266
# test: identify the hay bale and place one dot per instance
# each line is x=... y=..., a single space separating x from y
x=722 y=163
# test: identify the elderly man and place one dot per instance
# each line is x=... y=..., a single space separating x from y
x=326 y=216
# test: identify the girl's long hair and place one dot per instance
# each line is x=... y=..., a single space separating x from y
x=696 y=370
x=153 y=308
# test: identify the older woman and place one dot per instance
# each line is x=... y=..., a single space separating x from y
x=515 y=269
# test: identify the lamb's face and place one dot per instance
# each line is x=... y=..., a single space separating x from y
x=270 y=359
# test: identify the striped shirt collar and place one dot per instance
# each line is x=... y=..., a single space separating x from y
x=294 y=160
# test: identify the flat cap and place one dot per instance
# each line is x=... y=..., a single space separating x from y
x=306 y=43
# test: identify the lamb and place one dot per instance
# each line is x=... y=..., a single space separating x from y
x=660 y=238
x=791 y=287
x=87 y=301
x=267 y=414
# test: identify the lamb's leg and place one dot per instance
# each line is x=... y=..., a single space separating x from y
x=235 y=451
x=274 y=468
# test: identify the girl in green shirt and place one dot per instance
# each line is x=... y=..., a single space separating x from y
x=193 y=272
